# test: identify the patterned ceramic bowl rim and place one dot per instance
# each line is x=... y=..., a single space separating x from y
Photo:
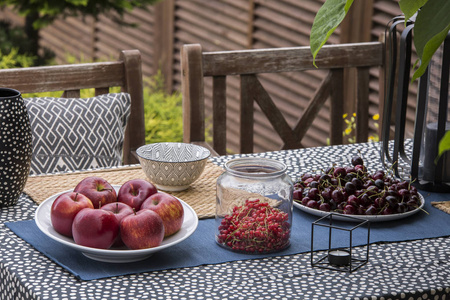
x=144 y=152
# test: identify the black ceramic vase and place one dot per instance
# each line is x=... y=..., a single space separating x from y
x=15 y=146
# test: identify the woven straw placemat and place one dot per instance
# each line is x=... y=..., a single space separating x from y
x=201 y=195
x=442 y=205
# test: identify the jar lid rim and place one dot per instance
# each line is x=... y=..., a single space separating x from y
x=276 y=167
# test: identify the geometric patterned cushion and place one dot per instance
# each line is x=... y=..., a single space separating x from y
x=75 y=134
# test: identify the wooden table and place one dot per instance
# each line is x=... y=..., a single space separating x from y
x=418 y=269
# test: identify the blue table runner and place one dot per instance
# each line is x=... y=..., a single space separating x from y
x=201 y=248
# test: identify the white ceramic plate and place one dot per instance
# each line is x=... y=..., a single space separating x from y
x=377 y=218
x=112 y=255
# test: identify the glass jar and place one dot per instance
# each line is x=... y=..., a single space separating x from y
x=254 y=206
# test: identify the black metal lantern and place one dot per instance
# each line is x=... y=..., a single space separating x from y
x=414 y=159
x=341 y=255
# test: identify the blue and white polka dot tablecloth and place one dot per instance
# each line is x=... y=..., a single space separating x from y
x=417 y=269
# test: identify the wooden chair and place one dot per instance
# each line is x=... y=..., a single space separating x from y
x=125 y=73
x=196 y=64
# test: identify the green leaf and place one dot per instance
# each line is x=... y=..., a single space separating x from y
x=327 y=19
x=444 y=145
x=410 y=7
x=430 y=29
x=78 y=2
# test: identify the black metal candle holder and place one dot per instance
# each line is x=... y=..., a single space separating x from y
x=344 y=259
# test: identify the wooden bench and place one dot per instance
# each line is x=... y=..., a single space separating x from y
x=125 y=73
x=196 y=64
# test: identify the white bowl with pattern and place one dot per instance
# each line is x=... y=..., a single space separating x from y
x=173 y=166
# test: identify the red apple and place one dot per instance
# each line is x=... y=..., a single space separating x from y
x=95 y=228
x=142 y=229
x=120 y=210
x=98 y=190
x=168 y=208
x=64 y=209
x=135 y=191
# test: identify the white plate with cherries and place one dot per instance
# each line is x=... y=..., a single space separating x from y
x=355 y=192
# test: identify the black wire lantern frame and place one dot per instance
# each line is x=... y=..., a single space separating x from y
x=323 y=260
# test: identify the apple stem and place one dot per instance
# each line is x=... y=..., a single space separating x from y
x=117 y=207
x=134 y=210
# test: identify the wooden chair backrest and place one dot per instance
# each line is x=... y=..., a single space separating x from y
x=196 y=64
x=125 y=73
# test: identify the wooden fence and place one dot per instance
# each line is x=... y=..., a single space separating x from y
x=226 y=25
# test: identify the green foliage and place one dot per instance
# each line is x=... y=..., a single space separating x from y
x=48 y=10
x=350 y=126
x=163 y=113
x=12 y=37
x=349 y=132
x=410 y=7
x=15 y=60
x=350 y=122
x=375 y=137
x=12 y=40
x=14 y=46
x=444 y=145
x=431 y=26
x=328 y=18
x=430 y=29
x=41 y=13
